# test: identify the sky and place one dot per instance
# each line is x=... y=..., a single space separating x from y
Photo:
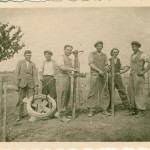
x=52 y=28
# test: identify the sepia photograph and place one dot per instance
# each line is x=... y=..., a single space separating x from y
x=75 y=74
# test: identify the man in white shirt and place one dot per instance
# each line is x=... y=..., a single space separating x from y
x=48 y=75
x=136 y=79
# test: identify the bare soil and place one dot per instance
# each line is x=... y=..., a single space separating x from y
x=81 y=129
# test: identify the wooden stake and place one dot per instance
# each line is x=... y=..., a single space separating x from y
x=5 y=110
x=148 y=83
x=1 y=107
x=75 y=85
x=113 y=87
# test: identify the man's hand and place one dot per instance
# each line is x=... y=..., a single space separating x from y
x=76 y=70
x=107 y=68
x=101 y=73
x=41 y=79
x=118 y=73
x=36 y=89
x=140 y=73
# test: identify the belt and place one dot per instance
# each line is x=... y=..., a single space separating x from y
x=48 y=76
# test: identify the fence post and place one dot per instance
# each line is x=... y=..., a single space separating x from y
x=1 y=106
x=5 y=110
x=113 y=87
x=148 y=83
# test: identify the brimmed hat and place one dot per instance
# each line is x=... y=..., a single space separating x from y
x=136 y=43
x=98 y=42
x=49 y=52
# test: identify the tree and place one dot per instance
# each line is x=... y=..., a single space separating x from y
x=10 y=41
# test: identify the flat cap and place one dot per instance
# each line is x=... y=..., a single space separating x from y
x=49 y=52
x=136 y=43
x=98 y=42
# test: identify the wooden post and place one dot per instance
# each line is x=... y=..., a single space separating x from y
x=75 y=85
x=113 y=87
x=1 y=106
x=148 y=83
x=5 y=110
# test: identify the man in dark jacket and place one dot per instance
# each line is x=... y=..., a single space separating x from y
x=26 y=79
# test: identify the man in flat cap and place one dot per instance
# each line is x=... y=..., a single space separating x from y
x=98 y=93
x=63 y=82
x=136 y=79
x=48 y=75
x=117 y=79
x=26 y=79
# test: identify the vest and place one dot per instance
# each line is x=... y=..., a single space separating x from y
x=98 y=61
x=137 y=64
x=117 y=65
x=67 y=63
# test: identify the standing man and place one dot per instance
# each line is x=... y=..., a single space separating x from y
x=98 y=82
x=63 y=82
x=118 y=80
x=136 y=79
x=49 y=72
x=26 y=78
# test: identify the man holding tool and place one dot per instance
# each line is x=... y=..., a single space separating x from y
x=136 y=79
x=63 y=82
x=98 y=82
x=118 y=70
x=26 y=79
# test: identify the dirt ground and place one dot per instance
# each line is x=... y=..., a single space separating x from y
x=81 y=129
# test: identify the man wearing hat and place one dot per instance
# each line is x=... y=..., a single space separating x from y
x=48 y=74
x=136 y=79
x=118 y=80
x=98 y=93
x=63 y=82
x=26 y=79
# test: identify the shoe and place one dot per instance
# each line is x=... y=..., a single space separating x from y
x=18 y=119
x=140 y=114
x=133 y=113
x=106 y=113
x=64 y=119
x=91 y=113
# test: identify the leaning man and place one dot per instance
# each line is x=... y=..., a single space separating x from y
x=63 y=82
x=98 y=92
x=26 y=78
x=136 y=79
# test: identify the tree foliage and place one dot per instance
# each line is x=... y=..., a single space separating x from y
x=10 y=40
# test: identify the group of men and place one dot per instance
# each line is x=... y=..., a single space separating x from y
x=56 y=80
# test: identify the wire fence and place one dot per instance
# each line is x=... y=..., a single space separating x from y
x=83 y=87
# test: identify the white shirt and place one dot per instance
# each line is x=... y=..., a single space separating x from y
x=27 y=63
x=48 y=68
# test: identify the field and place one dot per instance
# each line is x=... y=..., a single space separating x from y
x=80 y=129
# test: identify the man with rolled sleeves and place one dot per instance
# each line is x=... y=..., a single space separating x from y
x=49 y=72
x=118 y=79
x=136 y=79
x=98 y=92
x=26 y=79
x=63 y=82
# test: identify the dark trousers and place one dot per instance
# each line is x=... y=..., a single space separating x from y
x=49 y=86
x=24 y=92
x=121 y=90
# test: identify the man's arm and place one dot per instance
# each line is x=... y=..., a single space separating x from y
x=61 y=65
x=35 y=75
x=146 y=58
